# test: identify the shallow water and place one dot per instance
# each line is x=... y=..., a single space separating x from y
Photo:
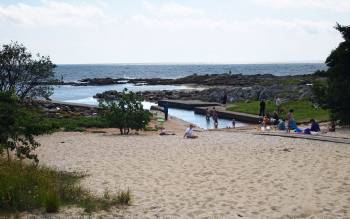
x=84 y=95
x=200 y=120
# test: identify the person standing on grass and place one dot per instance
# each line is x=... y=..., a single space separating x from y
x=278 y=105
x=262 y=107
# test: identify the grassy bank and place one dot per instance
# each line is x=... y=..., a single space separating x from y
x=303 y=110
x=24 y=187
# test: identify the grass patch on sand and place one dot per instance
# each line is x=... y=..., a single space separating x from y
x=25 y=187
x=303 y=110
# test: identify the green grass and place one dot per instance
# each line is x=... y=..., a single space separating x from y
x=25 y=187
x=75 y=124
x=303 y=110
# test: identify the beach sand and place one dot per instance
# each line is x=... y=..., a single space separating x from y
x=222 y=174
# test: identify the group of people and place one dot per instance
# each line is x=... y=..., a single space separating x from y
x=214 y=114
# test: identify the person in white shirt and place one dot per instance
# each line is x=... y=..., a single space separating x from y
x=189 y=132
x=278 y=105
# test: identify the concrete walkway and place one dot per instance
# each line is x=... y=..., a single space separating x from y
x=200 y=107
x=324 y=138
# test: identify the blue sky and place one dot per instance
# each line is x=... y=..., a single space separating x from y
x=177 y=31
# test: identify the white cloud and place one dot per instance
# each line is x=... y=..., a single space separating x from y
x=335 y=5
x=51 y=13
x=172 y=10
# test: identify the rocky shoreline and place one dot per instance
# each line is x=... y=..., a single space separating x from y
x=208 y=80
x=237 y=87
x=215 y=94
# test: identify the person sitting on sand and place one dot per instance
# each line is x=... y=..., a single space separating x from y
x=281 y=125
x=189 y=132
x=331 y=127
x=315 y=127
x=275 y=118
x=165 y=132
x=266 y=121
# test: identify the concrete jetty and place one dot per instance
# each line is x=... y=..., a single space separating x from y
x=200 y=107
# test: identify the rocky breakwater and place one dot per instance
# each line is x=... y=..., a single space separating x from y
x=215 y=94
x=56 y=109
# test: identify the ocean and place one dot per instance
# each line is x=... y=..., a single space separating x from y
x=76 y=72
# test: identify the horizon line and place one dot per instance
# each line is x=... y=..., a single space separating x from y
x=197 y=63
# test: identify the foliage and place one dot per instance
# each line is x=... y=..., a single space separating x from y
x=126 y=113
x=18 y=128
x=303 y=110
x=78 y=123
x=335 y=94
x=26 y=187
x=23 y=73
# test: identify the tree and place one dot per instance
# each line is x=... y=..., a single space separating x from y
x=335 y=93
x=126 y=113
x=18 y=126
x=23 y=73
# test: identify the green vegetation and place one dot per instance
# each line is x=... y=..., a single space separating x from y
x=18 y=127
x=126 y=113
x=23 y=73
x=334 y=95
x=77 y=123
x=303 y=110
x=26 y=187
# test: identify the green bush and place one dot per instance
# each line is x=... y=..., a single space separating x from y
x=126 y=113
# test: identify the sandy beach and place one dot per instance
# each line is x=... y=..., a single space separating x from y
x=222 y=174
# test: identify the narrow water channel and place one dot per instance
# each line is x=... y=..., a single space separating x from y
x=200 y=121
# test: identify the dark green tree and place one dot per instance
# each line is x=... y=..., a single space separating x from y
x=126 y=113
x=23 y=73
x=18 y=127
x=335 y=93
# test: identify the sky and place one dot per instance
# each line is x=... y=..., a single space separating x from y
x=177 y=31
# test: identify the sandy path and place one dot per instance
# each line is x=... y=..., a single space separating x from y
x=219 y=175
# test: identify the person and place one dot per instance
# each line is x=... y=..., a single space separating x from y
x=290 y=119
x=215 y=118
x=189 y=132
x=207 y=115
x=315 y=127
x=332 y=127
x=224 y=99
x=233 y=122
x=278 y=105
x=275 y=118
x=266 y=121
x=281 y=125
x=166 y=111
x=262 y=108
x=165 y=132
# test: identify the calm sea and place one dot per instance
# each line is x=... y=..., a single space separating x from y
x=77 y=72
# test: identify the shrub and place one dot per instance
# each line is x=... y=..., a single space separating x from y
x=18 y=128
x=126 y=113
x=24 y=187
x=335 y=94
